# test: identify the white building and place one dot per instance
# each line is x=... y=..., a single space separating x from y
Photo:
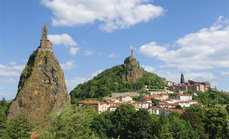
x=184 y=97
x=125 y=98
x=103 y=107
x=141 y=105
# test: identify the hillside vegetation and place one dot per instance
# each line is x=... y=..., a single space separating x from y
x=113 y=80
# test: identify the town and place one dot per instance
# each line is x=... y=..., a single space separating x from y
x=156 y=101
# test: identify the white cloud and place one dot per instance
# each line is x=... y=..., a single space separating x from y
x=10 y=70
x=6 y=73
x=73 y=50
x=148 y=68
x=96 y=73
x=74 y=82
x=114 y=14
x=112 y=55
x=12 y=63
x=1 y=88
x=10 y=80
x=202 y=75
x=175 y=75
x=20 y=68
x=205 y=49
x=62 y=39
x=224 y=73
x=87 y=52
x=68 y=65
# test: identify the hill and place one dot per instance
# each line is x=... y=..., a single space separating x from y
x=121 y=78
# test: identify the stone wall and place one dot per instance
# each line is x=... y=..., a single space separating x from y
x=115 y=95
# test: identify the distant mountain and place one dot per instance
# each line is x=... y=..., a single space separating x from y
x=121 y=78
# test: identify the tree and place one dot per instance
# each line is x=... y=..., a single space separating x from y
x=196 y=123
x=18 y=127
x=72 y=123
x=214 y=122
x=140 y=125
x=121 y=118
x=227 y=108
x=181 y=129
x=102 y=125
x=3 y=102
x=164 y=132
x=226 y=130
x=198 y=110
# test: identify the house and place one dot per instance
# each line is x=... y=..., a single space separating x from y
x=184 y=97
x=188 y=103
x=114 y=103
x=168 y=105
x=171 y=101
x=141 y=105
x=103 y=107
x=164 y=96
x=125 y=98
x=159 y=111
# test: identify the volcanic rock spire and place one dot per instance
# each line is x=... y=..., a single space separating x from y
x=42 y=88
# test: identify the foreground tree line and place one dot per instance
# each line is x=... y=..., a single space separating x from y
x=125 y=123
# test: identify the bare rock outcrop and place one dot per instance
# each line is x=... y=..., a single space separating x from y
x=133 y=69
x=42 y=88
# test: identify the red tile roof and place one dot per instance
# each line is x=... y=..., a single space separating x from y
x=152 y=96
x=169 y=104
x=33 y=136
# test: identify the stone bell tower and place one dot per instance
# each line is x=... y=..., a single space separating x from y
x=45 y=44
x=182 y=81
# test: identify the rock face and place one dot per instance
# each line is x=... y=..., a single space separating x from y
x=42 y=88
x=134 y=71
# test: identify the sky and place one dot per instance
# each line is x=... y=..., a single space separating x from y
x=169 y=37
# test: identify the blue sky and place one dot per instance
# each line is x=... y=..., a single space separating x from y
x=168 y=37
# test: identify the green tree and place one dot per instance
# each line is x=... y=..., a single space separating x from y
x=140 y=125
x=3 y=116
x=164 y=132
x=226 y=130
x=18 y=127
x=227 y=108
x=102 y=125
x=181 y=129
x=197 y=109
x=214 y=122
x=196 y=123
x=3 y=102
x=72 y=123
x=121 y=118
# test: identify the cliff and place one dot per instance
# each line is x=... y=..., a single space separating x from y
x=41 y=89
x=133 y=70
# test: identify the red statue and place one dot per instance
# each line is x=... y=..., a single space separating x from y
x=132 y=51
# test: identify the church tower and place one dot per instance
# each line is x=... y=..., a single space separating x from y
x=182 y=79
x=45 y=44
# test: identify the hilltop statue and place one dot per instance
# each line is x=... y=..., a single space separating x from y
x=132 y=53
x=42 y=89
